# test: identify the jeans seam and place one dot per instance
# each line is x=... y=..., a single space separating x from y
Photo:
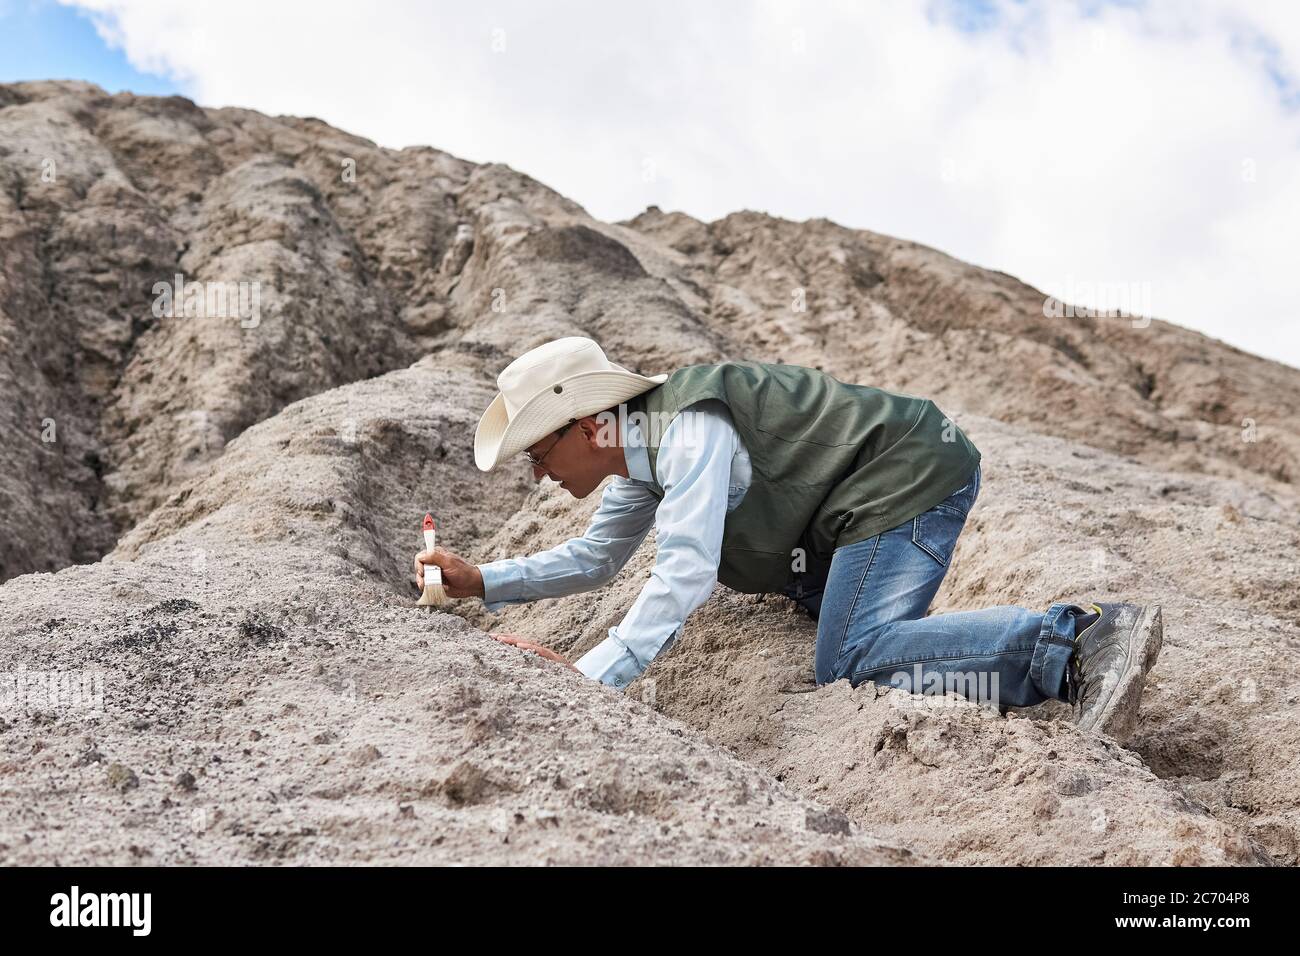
x=857 y=596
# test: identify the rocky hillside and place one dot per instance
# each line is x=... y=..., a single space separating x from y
x=238 y=476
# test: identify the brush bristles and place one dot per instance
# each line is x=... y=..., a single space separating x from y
x=433 y=596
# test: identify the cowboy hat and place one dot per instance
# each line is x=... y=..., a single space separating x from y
x=546 y=388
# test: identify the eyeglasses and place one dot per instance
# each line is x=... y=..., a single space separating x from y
x=537 y=462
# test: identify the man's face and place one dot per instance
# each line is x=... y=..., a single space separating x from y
x=571 y=458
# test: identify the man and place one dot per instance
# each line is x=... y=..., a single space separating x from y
x=775 y=478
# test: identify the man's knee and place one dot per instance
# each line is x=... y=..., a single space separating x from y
x=828 y=672
x=848 y=660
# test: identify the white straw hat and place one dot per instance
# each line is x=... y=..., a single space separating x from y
x=546 y=388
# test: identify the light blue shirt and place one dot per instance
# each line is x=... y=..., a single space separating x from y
x=705 y=471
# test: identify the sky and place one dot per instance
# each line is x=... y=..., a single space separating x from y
x=1145 y=148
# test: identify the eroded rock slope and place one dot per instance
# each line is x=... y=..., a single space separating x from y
x=253 y=485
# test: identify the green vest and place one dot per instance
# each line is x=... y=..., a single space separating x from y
x=833 y=464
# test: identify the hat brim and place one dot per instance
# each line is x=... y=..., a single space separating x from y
x=499 y=437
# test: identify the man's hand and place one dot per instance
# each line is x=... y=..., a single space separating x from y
x=526 y=645
x=460 y=579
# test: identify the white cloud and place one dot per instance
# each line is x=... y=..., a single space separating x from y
x=1064 y=144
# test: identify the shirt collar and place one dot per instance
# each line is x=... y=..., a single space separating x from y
x=634 y=450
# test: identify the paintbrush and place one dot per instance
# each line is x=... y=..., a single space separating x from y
x=434 y=595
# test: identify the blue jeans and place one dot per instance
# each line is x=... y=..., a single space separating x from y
x=870 y=602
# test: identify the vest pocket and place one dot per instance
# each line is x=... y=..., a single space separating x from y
x=935 y=532
x=755 y=572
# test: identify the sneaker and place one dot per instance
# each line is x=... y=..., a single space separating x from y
x=1109 y=666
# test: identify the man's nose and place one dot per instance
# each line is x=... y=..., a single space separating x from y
x=538 y=472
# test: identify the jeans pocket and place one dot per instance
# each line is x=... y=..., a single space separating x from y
x=935 y=532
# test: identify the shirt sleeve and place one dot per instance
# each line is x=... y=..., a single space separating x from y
x=694 y=467
x=619 y=525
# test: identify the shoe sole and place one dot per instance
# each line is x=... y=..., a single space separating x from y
x=1118 y=712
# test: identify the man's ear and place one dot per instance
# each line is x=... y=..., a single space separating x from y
x=597 y=434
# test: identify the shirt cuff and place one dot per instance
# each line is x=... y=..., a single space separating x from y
x=611 y=663
x=501 y=584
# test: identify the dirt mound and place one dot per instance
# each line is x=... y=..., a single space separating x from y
x=245 y=679
x=330 y=725
x=250 y=682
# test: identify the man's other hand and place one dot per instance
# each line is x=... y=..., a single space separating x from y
x=526 y=645
x=460 y=579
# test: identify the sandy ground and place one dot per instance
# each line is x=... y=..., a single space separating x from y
x=241 y=674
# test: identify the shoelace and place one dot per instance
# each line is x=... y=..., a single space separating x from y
x=1088 y=690
x=1083 y=686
